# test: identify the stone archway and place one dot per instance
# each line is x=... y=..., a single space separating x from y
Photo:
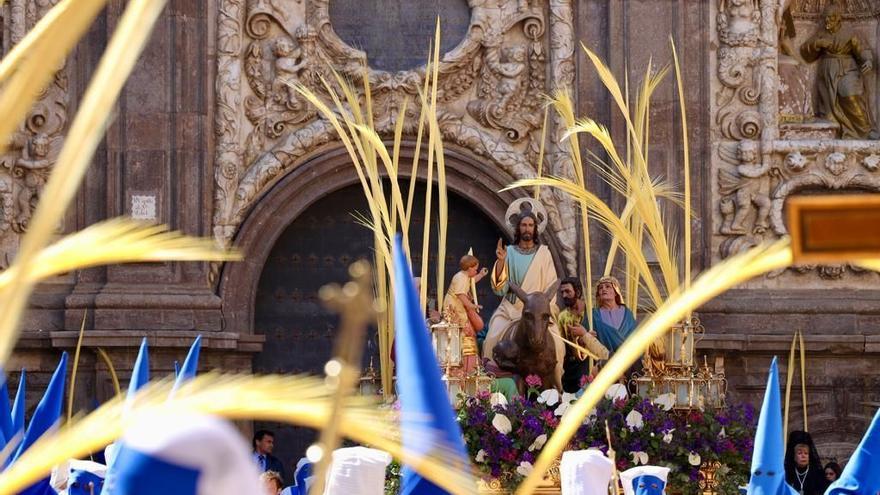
x=325 y=172
x=303 y=200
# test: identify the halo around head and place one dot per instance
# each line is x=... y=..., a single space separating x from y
x=525 y=205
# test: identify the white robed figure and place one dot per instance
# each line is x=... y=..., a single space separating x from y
x=528 y=264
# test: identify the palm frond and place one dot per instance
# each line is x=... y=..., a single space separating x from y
x=870 y=264
x=711 y=283
x=28 y=68
x=686 y=164
x=119 y=240
x=85 y=133
x=300 y=400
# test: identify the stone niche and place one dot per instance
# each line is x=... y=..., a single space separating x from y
x=774 y=132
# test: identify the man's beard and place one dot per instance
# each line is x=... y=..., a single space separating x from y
x=526 y=236
x=569 y=302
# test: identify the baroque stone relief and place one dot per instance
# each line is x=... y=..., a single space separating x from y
x=488 y=91
x=34 y=147
x=774 y=135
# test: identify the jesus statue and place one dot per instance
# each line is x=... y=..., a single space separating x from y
x=528 y=264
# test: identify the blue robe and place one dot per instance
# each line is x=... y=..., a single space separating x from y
x=612 y=338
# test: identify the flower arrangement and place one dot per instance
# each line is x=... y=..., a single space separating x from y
x=504 y=438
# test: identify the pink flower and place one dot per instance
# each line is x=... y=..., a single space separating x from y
x=533 y=381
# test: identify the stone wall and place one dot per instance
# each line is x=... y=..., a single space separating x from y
x=209 y=139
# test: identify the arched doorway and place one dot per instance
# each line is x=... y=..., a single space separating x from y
x=316 y=249
x=314 y=178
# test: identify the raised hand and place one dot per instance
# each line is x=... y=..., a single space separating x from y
x=500 y=251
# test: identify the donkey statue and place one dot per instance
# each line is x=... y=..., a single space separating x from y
x=527 y=348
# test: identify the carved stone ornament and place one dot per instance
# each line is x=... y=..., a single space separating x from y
x=488 y=93
x=35 y=146
x=768 y=143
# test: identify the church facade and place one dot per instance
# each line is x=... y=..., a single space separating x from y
x=211 y=139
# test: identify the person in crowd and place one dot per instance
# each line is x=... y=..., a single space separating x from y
x=272 y=483
x=832 y=471
x=264 y=443
x=803 y=469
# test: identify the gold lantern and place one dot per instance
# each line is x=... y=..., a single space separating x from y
x=680 y=343
x=446 y=340
x=478 y=382
x=453 y=387
x=369 y=383
x=692 y=387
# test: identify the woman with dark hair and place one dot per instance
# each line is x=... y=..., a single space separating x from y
x=803 y=469
x=832 y=471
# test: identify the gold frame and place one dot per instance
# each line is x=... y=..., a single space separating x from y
x=829 y=240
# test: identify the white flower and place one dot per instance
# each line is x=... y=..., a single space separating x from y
x=666 y=401
x=481 y=456
x=502 y=424
x=591 y=418
x=498 y=399
x=524 y=468
x=563 y=407
x=667 y=437
x=564 y=403
x=722 y=433
x=616 y=392
x=694 y=459
x=634 y=420
x=539 y=442
x=549 y=397
x=640 y=457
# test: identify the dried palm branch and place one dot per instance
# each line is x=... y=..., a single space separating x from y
x=541 y=150
x=85 y=132
x=711 y=283
x=686 y=164
x=352 y=118
x=600 y=211
x=631 y=178
x=300 y=400
x=869 y=264
x=119 y=240
x=72 y=389
x=28 y=68
x=563 y=105
x=109 y=363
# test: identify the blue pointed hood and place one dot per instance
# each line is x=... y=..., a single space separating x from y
x=191 y=364
x=19 y=405
x=647 y=484
x=427 y=418
x=140 y=374
x=48 y=410
x=5 y=412
x=862 y=473
x=768 y=459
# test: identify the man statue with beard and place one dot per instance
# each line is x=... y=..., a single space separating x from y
x=572 y=323
x=844 y=59
x=528 y=264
